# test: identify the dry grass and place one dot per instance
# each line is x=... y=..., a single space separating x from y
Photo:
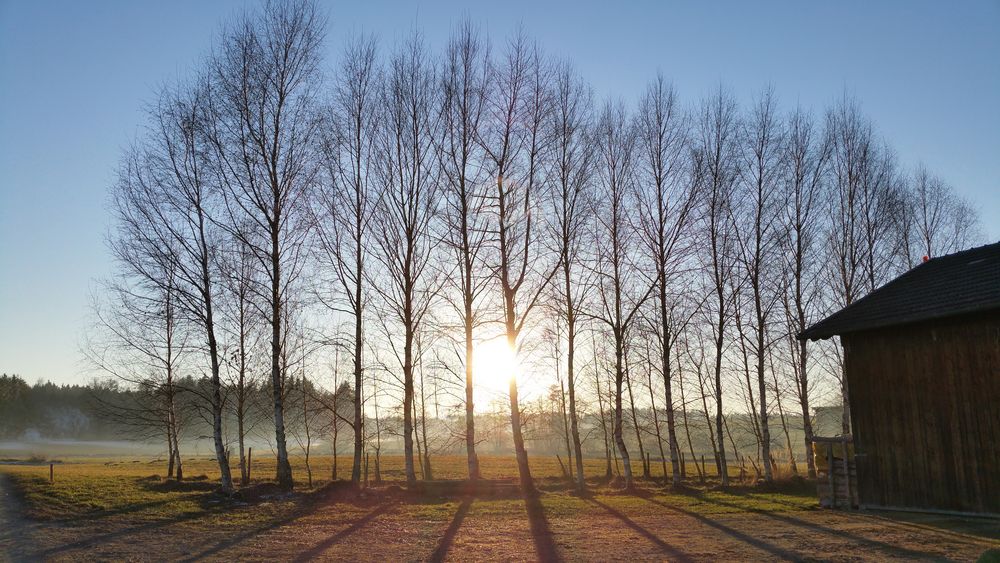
x=121 y=509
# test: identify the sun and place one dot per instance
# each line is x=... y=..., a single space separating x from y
x=494 y=364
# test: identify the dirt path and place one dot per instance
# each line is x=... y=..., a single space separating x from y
x=14 y=528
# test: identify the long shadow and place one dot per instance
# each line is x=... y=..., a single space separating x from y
x=240 y=538
x=101 y=538
x=449 y=535
x=889 y=549
x=326 y=544
x=89 y=517
x=980 y=531
x=732 y=532
x=671 y=551
x=545 y=546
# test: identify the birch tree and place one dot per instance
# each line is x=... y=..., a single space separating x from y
x=346 y=206
x=667 y=201
x=716 y=166
x=515 y=145
x=573 y=160
x=464 y=84
x=757 y=239
x=806 y=153
x=404 y=215
x=264 y=123
x=621 y=288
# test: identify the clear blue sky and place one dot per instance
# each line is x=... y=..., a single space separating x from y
x=74 y=77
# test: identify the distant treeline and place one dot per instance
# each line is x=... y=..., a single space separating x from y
x=44 y=410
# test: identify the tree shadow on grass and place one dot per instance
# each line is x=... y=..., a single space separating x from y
x=96 y=540
x=774 y=550
x=671 y=551
x=969 y=529
x=326 y=544
x=449 y=535
x=90 y=516
x=541 y=533
x=240 y=538
x=889 y=550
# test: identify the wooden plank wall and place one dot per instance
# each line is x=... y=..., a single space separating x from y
x=925 y=408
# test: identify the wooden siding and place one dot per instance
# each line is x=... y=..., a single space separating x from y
x=925 y=409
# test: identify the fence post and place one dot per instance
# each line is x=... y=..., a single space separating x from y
x=52 y=474
x=829 y=471
x=249 y=462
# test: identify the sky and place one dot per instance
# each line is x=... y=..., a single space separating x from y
x=75 y=78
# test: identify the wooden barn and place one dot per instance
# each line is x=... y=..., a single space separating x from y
x=922 y=360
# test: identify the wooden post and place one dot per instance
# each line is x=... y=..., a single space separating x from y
x=683 y=466
x=847 y=474
x=830 y=476
x=249 y=462
x=52 y=473
x=703 y=468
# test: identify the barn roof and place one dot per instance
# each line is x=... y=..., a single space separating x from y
x=956 y=284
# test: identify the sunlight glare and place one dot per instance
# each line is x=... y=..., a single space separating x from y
x=494 y=365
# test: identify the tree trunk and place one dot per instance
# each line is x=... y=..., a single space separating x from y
x=574 y=422
x=359 y=429
x=470 y=414
x=635 y=419
x=411 y=475
x=671 y=423
x=565 y=420
x=723 y=468
x=170 y=450
x=656 y=423
x=241 y=431
x=618 y=428
x=524 y=472
x=807 y=428
x=284 y=468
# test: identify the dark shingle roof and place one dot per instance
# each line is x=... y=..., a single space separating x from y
x=956 y=284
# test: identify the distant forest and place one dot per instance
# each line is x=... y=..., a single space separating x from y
x=293 y=234
x=34 y=414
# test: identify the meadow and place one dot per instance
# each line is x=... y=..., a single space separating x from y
x=123 y=509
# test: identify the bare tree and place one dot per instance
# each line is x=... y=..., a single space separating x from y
x=666 y=203
x=407 y=206
x=572 y=161
x=139 y=341
x=464 y=81
x=515 y=145
x=807 y=152
x=933 y=219
x=346 y=204
x=264 y=123
x=758 y=237
x=716 y=167
x=163 y=205
x=241 y=324
x=622 y=289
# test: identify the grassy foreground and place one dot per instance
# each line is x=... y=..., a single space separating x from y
x=123 y=509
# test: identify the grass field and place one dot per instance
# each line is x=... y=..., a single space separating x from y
x=123 y=510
